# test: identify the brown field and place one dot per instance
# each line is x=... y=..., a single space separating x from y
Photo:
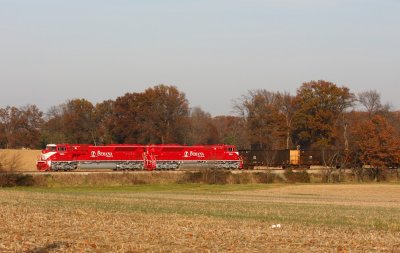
x=201 y=218
x=19 y=159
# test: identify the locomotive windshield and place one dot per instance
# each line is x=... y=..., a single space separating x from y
x=51 y=147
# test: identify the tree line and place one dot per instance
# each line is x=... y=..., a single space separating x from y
x=321 y=115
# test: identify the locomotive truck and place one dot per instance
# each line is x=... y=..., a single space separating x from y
x=68 y=157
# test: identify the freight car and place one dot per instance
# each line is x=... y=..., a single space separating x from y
x=288 y=158
x=67 y=157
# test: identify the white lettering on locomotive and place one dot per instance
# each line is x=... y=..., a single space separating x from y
x=193 y=153
x=100 y=153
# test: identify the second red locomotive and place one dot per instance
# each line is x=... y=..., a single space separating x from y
x=66 y=157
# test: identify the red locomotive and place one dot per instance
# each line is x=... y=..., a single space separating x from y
x=66 y=157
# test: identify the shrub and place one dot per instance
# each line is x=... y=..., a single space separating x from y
x=264 y=178
x=207 y=176
x=331 y=176
x=12 y=180
x=376 y=174
x=297 y=177
x=242 y=178
x=191 y=177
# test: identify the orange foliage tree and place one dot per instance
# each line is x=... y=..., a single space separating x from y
x=158 y=115
x=20 y=127
x=126 y=123
x=377 y=144
x=320 y=105
x=103 y=120
x=71 y=122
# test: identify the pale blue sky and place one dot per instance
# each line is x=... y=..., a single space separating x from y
x=212 y=50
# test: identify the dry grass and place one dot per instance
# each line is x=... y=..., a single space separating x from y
x=19 y=159
x=199 y=218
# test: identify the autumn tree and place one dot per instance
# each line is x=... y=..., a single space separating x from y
x=52 y=130
x=127 y=123
x=158 y=115
x=103 y=120
x=20 y=127
x=377 y=144
x=166 y=110
x=264 y=123
x=31 y=123
x=394 y=120
x=201 y=128
x=79 y=121
x=8 y=120
x=71 y=122
x=231 y=130
x=320 y=111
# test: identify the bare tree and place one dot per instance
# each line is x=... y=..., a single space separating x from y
x=371 y=100
x=287 y=107
x=202 y=129
x=231 y=130
x=264 y=121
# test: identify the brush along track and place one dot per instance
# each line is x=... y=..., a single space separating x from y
x=275 y=170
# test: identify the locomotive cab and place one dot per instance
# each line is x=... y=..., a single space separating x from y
x=233 y=154
x=43 y=163
x=61 y=149
x=51 y=148
x=55 y=148
x=231 y=150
